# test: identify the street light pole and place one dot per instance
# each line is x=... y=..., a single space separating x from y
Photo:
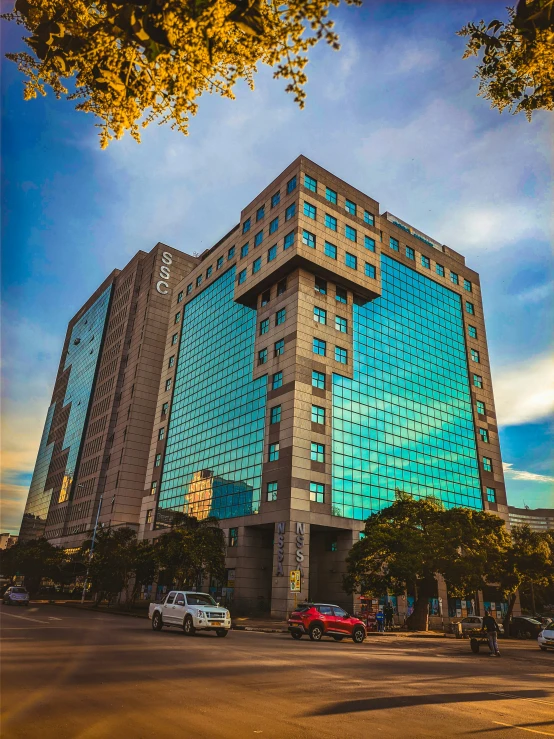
x=92 y=547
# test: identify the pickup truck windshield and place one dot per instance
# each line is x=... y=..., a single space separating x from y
x=200 y=599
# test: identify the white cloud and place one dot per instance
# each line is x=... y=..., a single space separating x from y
x=536 y=294
x=524 y=475
x=525 y=393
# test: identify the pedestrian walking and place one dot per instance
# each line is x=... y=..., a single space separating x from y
x=380 y=621
x=491 y=627
x=389 y=614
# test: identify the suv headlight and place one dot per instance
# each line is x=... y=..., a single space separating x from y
x=200 y=614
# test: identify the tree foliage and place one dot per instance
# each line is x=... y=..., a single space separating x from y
x=33 y=560
x=409 y=542
x=153 y=59
x=517 y=69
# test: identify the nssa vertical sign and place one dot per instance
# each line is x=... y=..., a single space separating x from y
x=299 y=546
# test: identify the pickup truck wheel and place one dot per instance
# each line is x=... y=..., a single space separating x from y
x=358 y=634
x=188 y=626
x=157 y=622
x=221 y=632
x=316 y=632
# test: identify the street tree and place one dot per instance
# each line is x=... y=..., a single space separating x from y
x=517 y=67
x=111 y=564
x=132 y=62
x=408 y=543
x=33 y=560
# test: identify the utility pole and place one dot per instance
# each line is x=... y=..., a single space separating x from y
x=92 y=547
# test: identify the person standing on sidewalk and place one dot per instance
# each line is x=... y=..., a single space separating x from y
x=380 y=621
x=491 y=627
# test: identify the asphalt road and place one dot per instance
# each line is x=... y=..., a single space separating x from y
x=87 y=675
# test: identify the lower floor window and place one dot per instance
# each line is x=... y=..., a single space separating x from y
x=271 y=491
x=317 y=492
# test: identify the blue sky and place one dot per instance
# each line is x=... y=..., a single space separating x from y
x=395 y=113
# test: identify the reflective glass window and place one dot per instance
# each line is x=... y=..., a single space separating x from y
x=368 y=218
x=279 y=347
x=491 y=495
x=291 y=184
x=280 y=316
x=341 y=324
x=341 y=355
x=440 y=270
x=472 y=331
x=350 y=207
x=317 y=492
x=273 y=453
x=480 y=407
x=308 y=239
x=275 y=199
x=289 y=240
x=262 y=356
x=310 y=183
x=274 y=225
x=454 y=278
x=231 y=253
x=393 y=243
x=320 y=286
x=317 y=452
x=370 y=271
x=318 y=380
x=350 y=233
x=272 y=253
x=258 y=238
x=341 y=295
x=275 y=414
x=277 y=381
x=260 y=213
x=246 y=226
x=320 y=315
x=410 y=253
x=272 y=491
x=330 y=222
x=487 y=464
x=244 y=250
x=350 y=260
x=467 y=285
x=310 y=211
x=319 y=347
x=425 y=262
x=256 y=265
x=477 y=380
x=331 y=195
x=318 y=414
x=264 y=326
x=290 y=211
x=330 y=250
x=484 y=434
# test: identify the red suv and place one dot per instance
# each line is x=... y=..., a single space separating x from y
x=322 y=619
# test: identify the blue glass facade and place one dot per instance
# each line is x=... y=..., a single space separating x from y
x=405 y=419
x=38 y=500
x=214 y=452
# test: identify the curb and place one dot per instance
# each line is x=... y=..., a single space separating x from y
x=79 y=607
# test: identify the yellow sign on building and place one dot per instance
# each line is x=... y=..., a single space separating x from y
x=295 y=581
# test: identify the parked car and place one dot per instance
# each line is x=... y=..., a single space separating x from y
x=525 y=627
x=16 y=596
x=472 y=623
x=324 y=619
x=191 y=612
x=546 y=637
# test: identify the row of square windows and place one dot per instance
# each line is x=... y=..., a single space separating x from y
x=426 y=262
x=310 y=184
x=317 y=492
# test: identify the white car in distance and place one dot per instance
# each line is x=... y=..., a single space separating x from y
x=546 y=637
x=191 y=612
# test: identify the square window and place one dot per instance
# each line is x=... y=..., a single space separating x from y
x=350 y=233
x=487 y=464
x=308 y=239
x=290 y=211
x=320 y=315
x=280 y=316
x=171 y=361
x=467 y=286
x=260 y=213
x=318 y=380
x=475 y=355
x=180 y=297
x=168 y=384
x=177 y=317
x=425 y=262
x=264 y=326
x=320 y=286
x=310 y=210
x=266 y=297
x=279 y=347
x=341 y=355
x=291 y=185
x=209 y=272
x=317 y=452
x=198 y=280
x=484 y=434
x=289 y=240
x=244 y=251
x=331 y=195
x=161 y=433
x=370 y=270
x=273 y=455
x=189 y=287
x=165 y=408
x=439 y=269
x=256 y=265
x=174 y=339
x=470 y=308
x=330 y=250
x=277 y=381
x=341 y=295
x=246 y=226
x=275 y=414
x=330 y=222
x=272 y=253
x=271 y=491
x=318 y=414
x=262 y=356
x=410 y=253
x=341 y=324
x=275 y=199
x=472 y=331
x=310 y=183
x=317 y=492
x=233 y=537
x=480 y=407
x=350 y=207
x=454 y=278
x=478 y=381
x=149 y=516
x=153 y=487
x=231 y=253
x=219 y=264
x=258 y=238
x=369 y=243
x=157 y=460
x=491 y=495
x=319 y=347
x=393 y=243
x=368 y=218
x=350 y=261
x=281 y=286
x=242 y=276
x=274 y=225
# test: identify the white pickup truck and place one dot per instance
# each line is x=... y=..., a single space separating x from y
x=191 y=612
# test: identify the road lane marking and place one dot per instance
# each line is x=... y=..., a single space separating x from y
x=53 y=618
x=24 y=618
x=522 y=728
x=517 y=697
